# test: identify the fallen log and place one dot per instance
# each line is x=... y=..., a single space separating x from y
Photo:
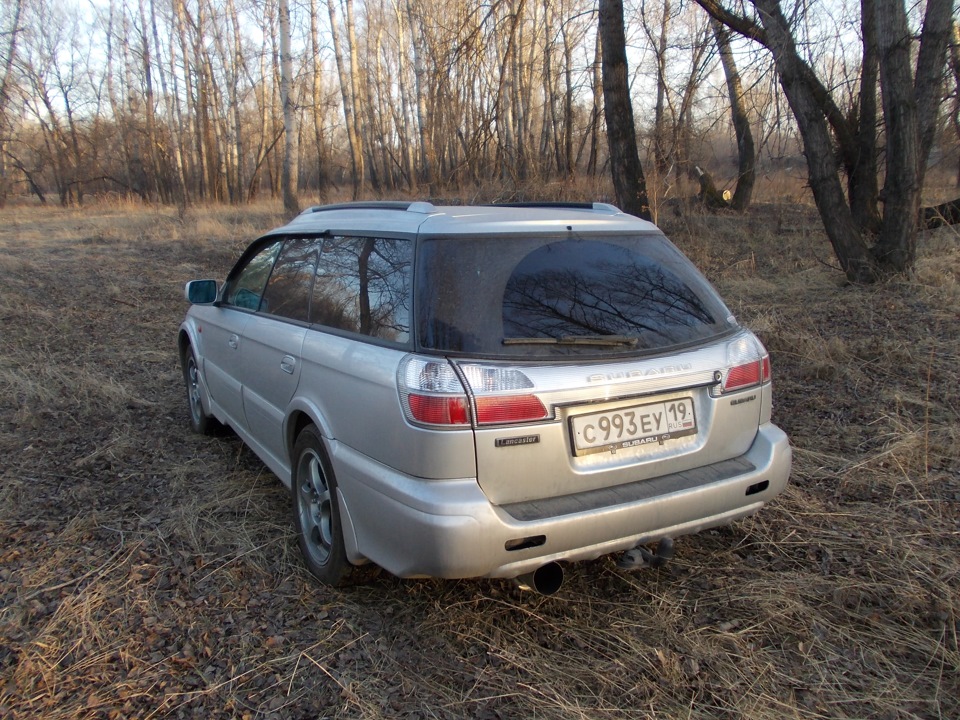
x=935 y=216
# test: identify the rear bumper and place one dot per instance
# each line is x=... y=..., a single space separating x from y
x=413 y=527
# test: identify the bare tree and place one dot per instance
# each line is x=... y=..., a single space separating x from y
x=628 y=180
x=174 y=149
x=955 y=75
x=909 y=110
x=288 y=177
x=417 y=43
x=6 y=84
x=746 y=153
x=349 y=102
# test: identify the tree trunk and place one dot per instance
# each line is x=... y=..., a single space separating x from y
x=931 y=58
x=194 y=159
x=426 y=174
x=896 y=244
x=746 y=153
x=628 y=180
x=909 y=113
x=822 y=167
x=862 y=185
x=356 y=152
x=288 y=174
x=567 y=102
x=236 y=106
x=153 y=142
x=178 y=180
x=404 y=112
x=550 y=135
x=955 y=71
x=683 y=121
x=597 y=86
x=11 y=54
x=355 y=83
x=660 y=149
x=316 y=95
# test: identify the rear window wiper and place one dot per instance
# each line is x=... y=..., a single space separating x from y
x=611 y=340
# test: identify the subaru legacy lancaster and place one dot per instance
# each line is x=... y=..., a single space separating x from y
x=484 y=391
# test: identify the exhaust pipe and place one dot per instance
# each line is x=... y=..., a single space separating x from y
x=545 y=580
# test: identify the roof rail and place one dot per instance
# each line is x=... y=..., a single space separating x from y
x=598 y=207
x=400 y=205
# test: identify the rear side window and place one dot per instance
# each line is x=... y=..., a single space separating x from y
x=363 y=286
x=562 y=296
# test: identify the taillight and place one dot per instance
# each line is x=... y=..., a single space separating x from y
x=748 y=364
x=433 y=394
x=499 y=395
x=433 y=410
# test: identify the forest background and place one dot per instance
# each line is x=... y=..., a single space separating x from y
x=182 y=101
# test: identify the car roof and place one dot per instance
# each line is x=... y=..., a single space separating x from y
x=428 y=219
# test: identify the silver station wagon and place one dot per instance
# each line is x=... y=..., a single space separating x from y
x=484 y=391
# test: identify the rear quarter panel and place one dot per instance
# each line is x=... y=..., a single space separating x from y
x=352 y=384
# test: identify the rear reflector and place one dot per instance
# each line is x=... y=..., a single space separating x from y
x=742 y=376
x=492 y=410
x=748 y=375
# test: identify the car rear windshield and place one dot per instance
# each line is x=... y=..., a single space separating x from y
x=535 y=296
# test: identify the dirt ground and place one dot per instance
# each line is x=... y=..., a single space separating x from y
x=148 y=572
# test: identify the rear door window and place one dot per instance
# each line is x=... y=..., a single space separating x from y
x=562 y=296
x=363 y=286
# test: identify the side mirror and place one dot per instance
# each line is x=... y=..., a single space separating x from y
x=201 y=292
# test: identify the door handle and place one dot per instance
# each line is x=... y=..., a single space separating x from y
x=288 y=363
x=234 y=341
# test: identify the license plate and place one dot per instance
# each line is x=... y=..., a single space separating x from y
x=633 y=426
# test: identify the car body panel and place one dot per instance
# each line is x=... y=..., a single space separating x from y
x=450 y=528
x=724 y=430
x=353 y=386
x=220 y=349
x=270 y=371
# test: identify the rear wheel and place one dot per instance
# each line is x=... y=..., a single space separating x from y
x=316 y=513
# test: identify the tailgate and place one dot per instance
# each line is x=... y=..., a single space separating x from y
x=616 y=423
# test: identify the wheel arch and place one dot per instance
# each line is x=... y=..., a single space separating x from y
x=301 y=416
x=185 y=340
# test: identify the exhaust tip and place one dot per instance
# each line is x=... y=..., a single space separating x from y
x=545 y=580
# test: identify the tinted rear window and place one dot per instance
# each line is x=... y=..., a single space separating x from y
x=557 y=296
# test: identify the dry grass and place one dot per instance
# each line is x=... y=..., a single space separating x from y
x=146 y=572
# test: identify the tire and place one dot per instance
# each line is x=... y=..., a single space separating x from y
x=200 y=422
x=316 y=514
